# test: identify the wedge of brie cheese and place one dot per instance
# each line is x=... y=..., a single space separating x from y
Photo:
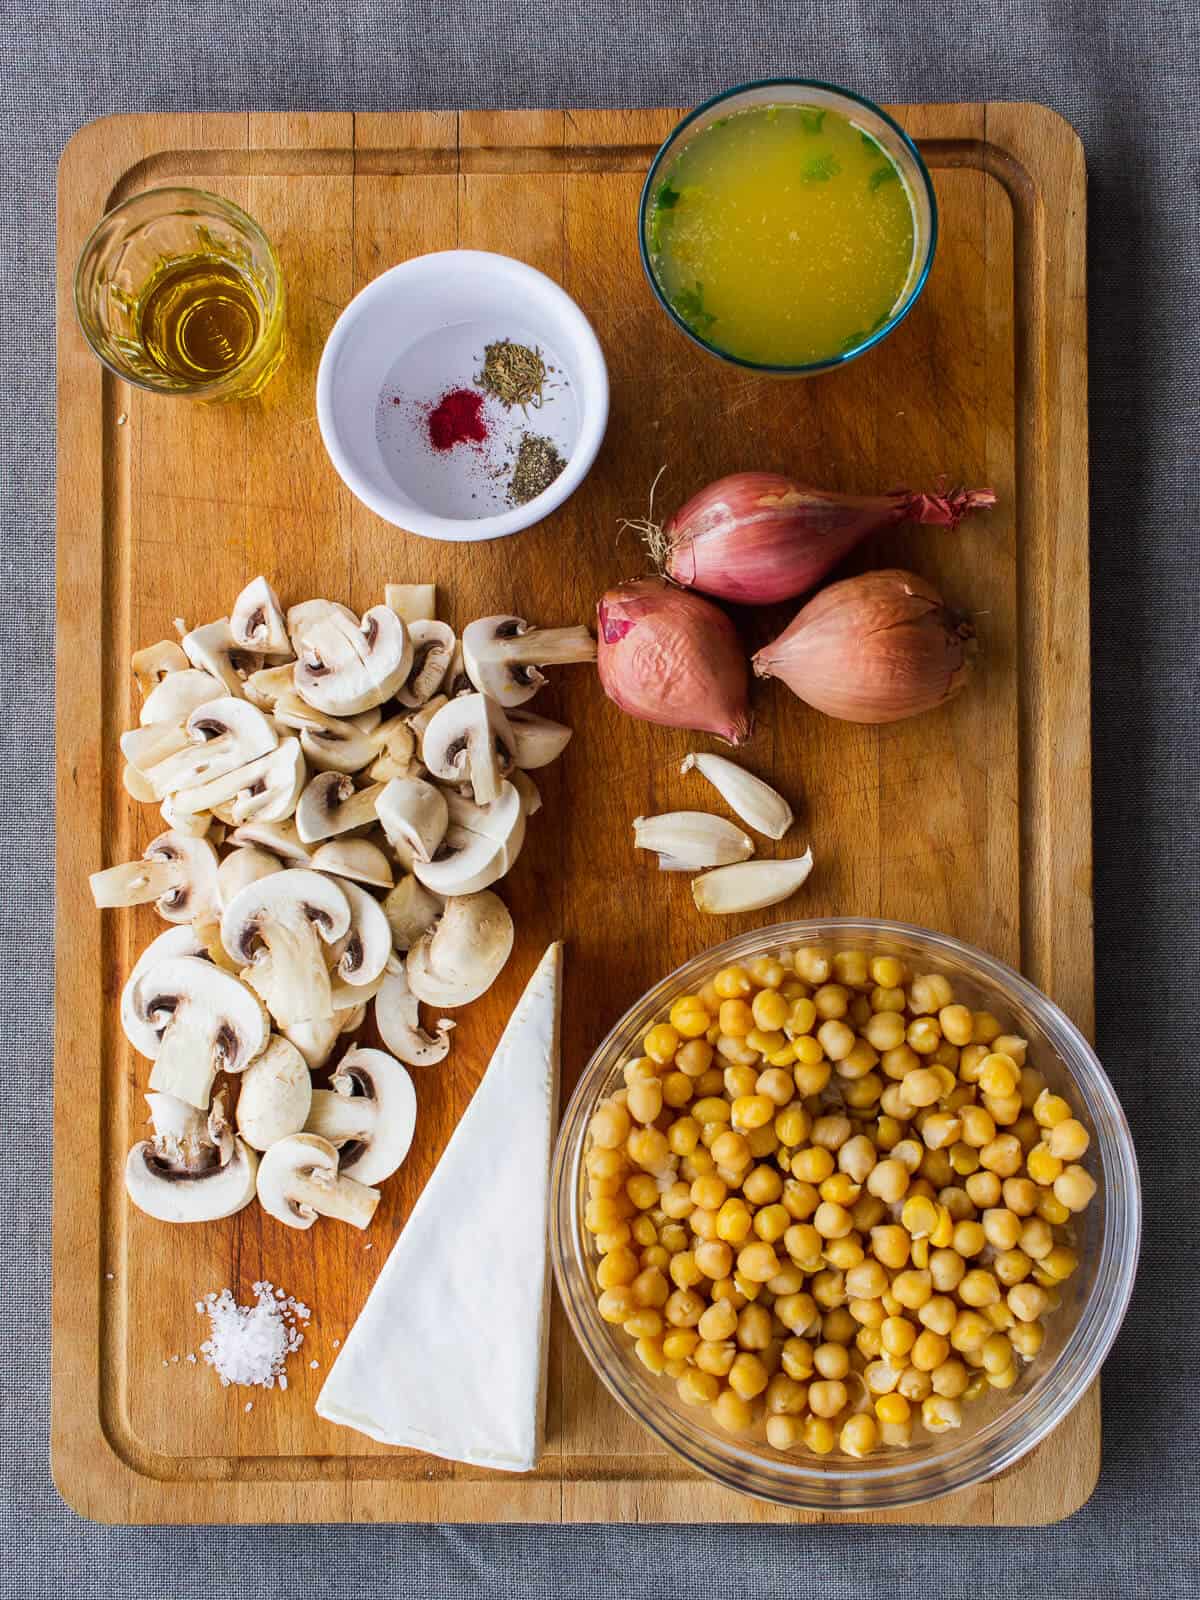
x=449 y=1353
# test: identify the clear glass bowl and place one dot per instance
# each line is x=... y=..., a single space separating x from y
x=998 y=1429
x=864 y=114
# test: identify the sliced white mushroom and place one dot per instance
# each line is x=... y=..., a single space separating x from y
x=266 y=789
x=367 y=721
x=537 y=741
x=354 y=858
x=412 y=602
x=274 y=1095
x=178 y=695
x=432 y=645
x=156 y=662
x=137 y=786
x=361 y=954
x=177 y=872
x=330 y=804
x=222 y=735
x=264 y=687
x=196 y=824
x=331 y=744
x=418 y=721
x=280 y=838
x=398 y=1018
x=531 y=795
x=207 y=1023
x=395 y=747
x=368 y=1114
x=503 y=820
x=256 y=621
x=504 y=655
x=688 y=840
x=344 y=666
x=411 y=910
x=463 y=954
x=465 y=863
x=762 y=807
x=351 y=1019
x=277 y=927
x=469 y=739
x=190 y=1172
x=144 y=747
x=414 y=816
x=457 y=681
x=298 y=1180
x=245 y=865
x=214 y=649
x=750 y=885
x=316 y=1038
x=143 y=1034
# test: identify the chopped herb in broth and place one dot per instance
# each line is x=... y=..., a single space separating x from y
x=781 y=233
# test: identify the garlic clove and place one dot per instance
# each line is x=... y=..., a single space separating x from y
x=692 y=839
x=759 y=806
x=750 y=885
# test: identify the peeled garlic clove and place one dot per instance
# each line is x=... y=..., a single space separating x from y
x=692 y=839
x=758 y=805
x=750 y=885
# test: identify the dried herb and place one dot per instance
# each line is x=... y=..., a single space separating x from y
x=538 y=464
x=513 y=373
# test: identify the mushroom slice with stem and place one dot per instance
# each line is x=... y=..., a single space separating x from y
x=298 y=1181
x=465 y=863
x=264 y=687
x=145 y=747
x=414 y=816
x=354 y=858
x=344 y=666
x=256 y=621
x=503 y=820
x=504 y=655
x=245 y=865
x=207 y=1022
x=368 y=1114
x=196 y=824
x=277 y=927
x=178 y=695
x=331 y=805
x=411 y=910
x=222 y=735
x=536 y=740
x=190 y=1172
x=274 y=1095
x=462 y=955
x=331 y=744
x=395 y=747
x=412 y=602
x=469 y=739
x=144 y=1035
x=267 y=788
x=177 y=872
x=433 y=646
x=362 y=951
x=398 y=1018
x=214 y=649
x=156 y=662
x=280 y=838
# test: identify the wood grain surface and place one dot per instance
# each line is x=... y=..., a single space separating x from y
x=975 y=820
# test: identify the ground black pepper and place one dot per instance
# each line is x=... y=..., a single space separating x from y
x=538 y=464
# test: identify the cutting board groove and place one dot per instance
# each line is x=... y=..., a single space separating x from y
x=976 y=820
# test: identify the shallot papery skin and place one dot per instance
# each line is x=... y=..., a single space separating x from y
x=758 y=537
x=876 y=648
x=673 y=658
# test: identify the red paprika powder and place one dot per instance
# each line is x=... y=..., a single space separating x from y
x=457 y=419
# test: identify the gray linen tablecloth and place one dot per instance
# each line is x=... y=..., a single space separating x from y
x=1125 y=75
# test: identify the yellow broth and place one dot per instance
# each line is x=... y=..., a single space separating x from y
x=782 y=235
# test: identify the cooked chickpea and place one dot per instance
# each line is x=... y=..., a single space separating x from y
x=731 y=1412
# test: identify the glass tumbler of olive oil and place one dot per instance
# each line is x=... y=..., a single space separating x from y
x=180 y=292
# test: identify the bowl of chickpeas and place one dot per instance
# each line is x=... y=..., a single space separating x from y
x=846 y=1213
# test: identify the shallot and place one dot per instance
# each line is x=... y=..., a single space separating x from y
x=670 y=657
x=876 y=648
x=758 y=537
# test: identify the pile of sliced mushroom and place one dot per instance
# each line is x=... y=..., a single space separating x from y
x=340 y=794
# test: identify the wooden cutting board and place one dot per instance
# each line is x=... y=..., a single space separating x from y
x=975 y=820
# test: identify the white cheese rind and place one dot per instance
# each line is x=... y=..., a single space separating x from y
x=449 y=1353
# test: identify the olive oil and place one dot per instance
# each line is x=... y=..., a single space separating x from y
x=783 y=235
x=199 y=319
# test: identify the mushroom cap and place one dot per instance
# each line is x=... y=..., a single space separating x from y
x=469 y=738
x=503 y=655
x=411 y=909
x=398 y=1018
x=213 y=648
x=330 y=804
x=243 y=866
x=363 y=950
x=280 y=838
x=208 y=1022
x=461 y=957
x=531 y=795
x=195 y=896
x=369 y=1114
x=142 y=1034
x=413 y=813
x=537 y=741
x=358 y=859
x=466 y=863
x=177 y=696
x=298 y=1181
x=293 y=897
x=156 y=662
x=433 y=648
x=256 y=621
x=331 y=744
x=274 y=1094
x=222 y=735
x=344 y=666
x=163 y=1190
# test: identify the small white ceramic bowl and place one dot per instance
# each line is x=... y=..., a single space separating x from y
x=418 y=331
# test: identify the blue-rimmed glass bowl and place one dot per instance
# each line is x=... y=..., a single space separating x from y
x=869 y=119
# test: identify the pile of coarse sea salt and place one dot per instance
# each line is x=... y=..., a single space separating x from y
x=250 y=1344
